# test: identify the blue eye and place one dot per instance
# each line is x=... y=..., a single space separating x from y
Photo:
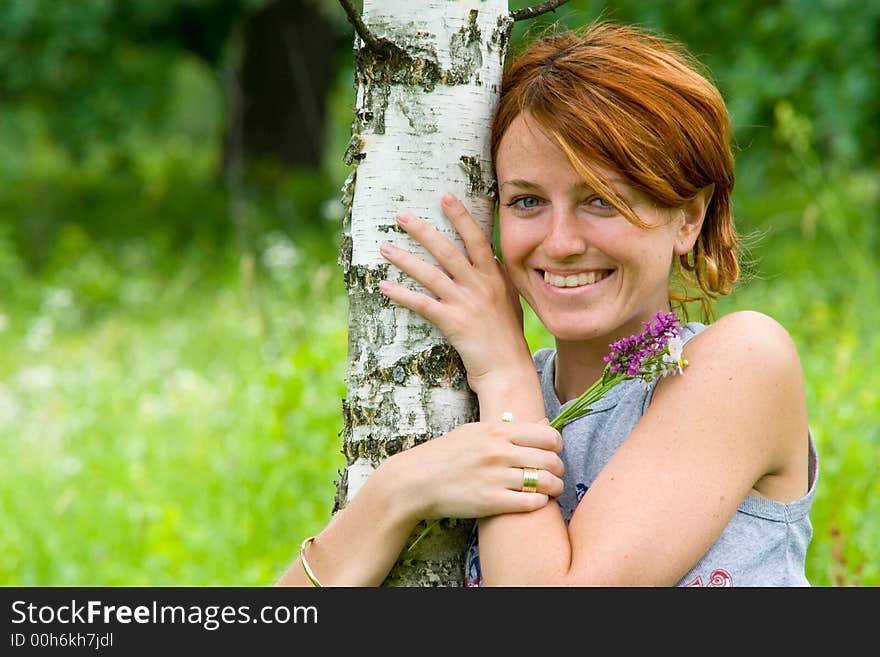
x=600 y=206
x=525 y=202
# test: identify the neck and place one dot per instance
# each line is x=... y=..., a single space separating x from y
x=578 y=366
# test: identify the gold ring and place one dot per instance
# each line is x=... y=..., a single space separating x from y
x=530 y=480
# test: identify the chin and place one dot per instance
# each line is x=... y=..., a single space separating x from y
x=572 y=336
x=573 y=330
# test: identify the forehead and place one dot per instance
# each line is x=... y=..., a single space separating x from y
x=528 y=156
x=527 y=153
x=524 y=136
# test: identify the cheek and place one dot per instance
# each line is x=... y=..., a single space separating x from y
x=650 y=257
x=653 y=247
x=655 y=264
x=515 y=241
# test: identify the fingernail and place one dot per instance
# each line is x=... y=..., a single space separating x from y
x=386 y=248
x=404 y=217
x=384 y=286
x=447 y=199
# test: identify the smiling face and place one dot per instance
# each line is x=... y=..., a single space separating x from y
x=586 y=271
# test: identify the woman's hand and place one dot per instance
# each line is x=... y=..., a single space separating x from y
x=476 y=470
x=476 y=307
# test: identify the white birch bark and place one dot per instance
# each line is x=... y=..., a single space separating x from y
x=422 y=127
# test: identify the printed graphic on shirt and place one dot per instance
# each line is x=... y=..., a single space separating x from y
x=718 y=578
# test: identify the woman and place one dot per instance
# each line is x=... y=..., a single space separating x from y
x=614 y=170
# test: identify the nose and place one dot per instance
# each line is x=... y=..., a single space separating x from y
x=565 y=238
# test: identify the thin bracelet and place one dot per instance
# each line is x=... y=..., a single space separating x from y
x=306 y=567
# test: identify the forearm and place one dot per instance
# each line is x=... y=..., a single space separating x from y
x=525 y=549
x=521 y=548
x=362 y=541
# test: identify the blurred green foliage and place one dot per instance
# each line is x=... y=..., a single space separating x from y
x=114 y=118
x=172 y=337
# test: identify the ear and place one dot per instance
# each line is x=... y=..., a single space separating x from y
x=693 y=214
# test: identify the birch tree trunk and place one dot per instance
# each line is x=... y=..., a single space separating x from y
x=426 y=91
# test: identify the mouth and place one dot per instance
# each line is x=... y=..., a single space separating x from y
x=574 y=279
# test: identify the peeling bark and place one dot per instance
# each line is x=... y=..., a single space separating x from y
x=425 y=98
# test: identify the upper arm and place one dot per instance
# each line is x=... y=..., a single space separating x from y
x=735 y=416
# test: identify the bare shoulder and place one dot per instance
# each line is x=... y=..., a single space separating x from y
x=747 y=363
x=749 y=343
x=745 y=376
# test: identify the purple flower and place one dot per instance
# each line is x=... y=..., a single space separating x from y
x=642 y=355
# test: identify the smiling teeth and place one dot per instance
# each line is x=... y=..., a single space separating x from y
x=574 y=280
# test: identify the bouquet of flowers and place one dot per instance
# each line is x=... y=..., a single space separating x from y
x=653 y=353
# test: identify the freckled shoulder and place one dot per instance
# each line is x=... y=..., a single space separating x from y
x=747 y=342
x=744 y=367
x=743 y=391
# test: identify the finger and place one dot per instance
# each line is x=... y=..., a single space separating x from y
x=418 y=302
x=478 y=247
x=429 y=276
x=514 y=501
x=531 y=434
x=448 y=255
x=538 y=458
x=548 y=483
x=512 y=292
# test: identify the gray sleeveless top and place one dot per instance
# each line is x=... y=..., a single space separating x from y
x=764 y=544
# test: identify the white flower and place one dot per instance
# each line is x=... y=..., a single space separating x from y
x=674 y=347
x=673 y=356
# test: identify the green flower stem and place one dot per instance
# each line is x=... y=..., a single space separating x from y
x=583 y=404
x=423 y=534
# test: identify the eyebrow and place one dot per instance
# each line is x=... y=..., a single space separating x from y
x=527 y=185
x=524 y=184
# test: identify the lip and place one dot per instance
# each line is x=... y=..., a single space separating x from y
x=570 y=291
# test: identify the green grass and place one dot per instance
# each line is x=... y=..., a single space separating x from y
x=190 y=440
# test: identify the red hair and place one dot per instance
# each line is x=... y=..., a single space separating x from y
x=618 y=98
